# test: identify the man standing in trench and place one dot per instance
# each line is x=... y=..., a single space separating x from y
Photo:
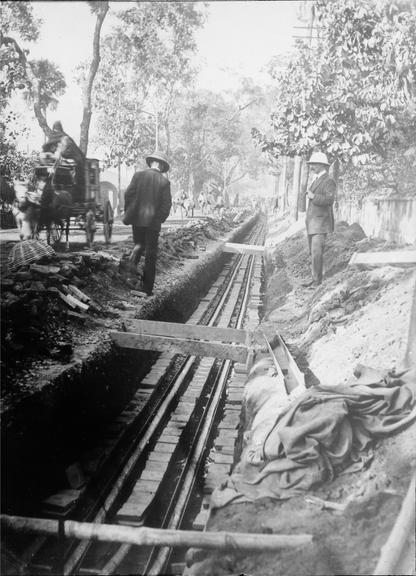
x=319 y=215
x=147 y=203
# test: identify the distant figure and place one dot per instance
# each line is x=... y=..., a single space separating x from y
x=202 y=201
x=319 y=215
x=189 y=206
x=219 y=205
x=90 y=224
x=147 y=203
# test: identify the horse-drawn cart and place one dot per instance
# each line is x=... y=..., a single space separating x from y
x=68 y=198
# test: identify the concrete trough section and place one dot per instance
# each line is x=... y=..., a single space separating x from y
x=46 y=430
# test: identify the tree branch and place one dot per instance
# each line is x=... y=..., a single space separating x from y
x=33 y=81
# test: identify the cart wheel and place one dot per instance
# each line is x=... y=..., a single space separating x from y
x=54 y=233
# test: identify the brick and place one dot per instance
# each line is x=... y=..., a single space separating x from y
x=63 y=499
x=223 y=458
x=146 y=485
x=201 y=520
x=155 y=475
x=159 y=457
x=169 y=439
x=163 y=447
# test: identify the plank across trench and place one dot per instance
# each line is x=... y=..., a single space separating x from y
x=184 y=339
x=212 y=333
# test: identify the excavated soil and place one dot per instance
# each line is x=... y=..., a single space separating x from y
x=355 y=316
x=41 y=334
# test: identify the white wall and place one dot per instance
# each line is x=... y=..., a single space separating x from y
x=393 y=219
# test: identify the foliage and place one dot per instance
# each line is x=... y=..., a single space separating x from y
x=17 y=17
x=147 y=58
x=51 y=84
x=351 y=93
x=211 y=141
x=42 y=79
x=14 y=163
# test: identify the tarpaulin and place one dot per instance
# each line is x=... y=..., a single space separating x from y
x=319 y=433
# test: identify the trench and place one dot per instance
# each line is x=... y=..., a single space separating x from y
x=50 y=429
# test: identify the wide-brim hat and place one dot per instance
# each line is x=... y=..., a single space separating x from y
x=318 y=158
x=160 y=157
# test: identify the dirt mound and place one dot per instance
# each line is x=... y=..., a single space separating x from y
x=41 y=326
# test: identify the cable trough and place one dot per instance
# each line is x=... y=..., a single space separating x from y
x=157 y=447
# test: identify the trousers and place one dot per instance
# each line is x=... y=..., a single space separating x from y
x=316 y=250
x=145 y=240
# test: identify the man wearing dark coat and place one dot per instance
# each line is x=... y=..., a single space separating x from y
x=147 y=203
x=319 y=215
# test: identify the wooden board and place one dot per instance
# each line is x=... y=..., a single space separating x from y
x=294 y=377
x=177 y=330
x=237 y=353
x=243 y=248
x=384 y=258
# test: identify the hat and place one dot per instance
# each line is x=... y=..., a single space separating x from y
x=159 y=157
x=318 y=158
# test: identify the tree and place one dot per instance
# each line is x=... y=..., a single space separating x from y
x=51 y=83
x=351 y=94
x=100 y=9
x=41 y=79
x=147 y=57
x=211 y=143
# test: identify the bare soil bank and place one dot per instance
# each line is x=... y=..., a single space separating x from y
x=355 y=316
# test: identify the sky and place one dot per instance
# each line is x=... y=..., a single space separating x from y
x=238 y=39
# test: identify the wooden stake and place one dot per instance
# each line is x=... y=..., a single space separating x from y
x=403 y=528
x=144 y=536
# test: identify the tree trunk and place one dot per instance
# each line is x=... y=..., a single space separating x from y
x=87 y=111
x=303 y=186
x=282 y=183
x=34 y=89
x=296 y=186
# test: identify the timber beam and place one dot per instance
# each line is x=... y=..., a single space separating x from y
x=395 y=257
x=235 y=352
x=243 y=248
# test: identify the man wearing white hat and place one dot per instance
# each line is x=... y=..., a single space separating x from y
x=319 y=215
x=147 y=203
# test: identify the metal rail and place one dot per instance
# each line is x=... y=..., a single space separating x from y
x=74 y=556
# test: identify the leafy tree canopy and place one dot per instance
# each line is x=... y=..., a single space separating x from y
x=145 y=60
x=351 y=94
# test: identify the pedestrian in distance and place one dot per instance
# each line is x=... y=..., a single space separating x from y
x=90 y=224
x=147 y=203
x=319 y=215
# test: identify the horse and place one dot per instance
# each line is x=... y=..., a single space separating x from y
x=56 y=209
x=27 y=217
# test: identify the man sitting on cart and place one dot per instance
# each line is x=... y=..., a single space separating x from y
x=60 y=145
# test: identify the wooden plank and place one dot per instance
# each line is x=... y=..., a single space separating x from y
x=211 y=333
x=243 y=248
x=237 y=353
x=145 y=536
x=295 y=378
x=384 y=258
